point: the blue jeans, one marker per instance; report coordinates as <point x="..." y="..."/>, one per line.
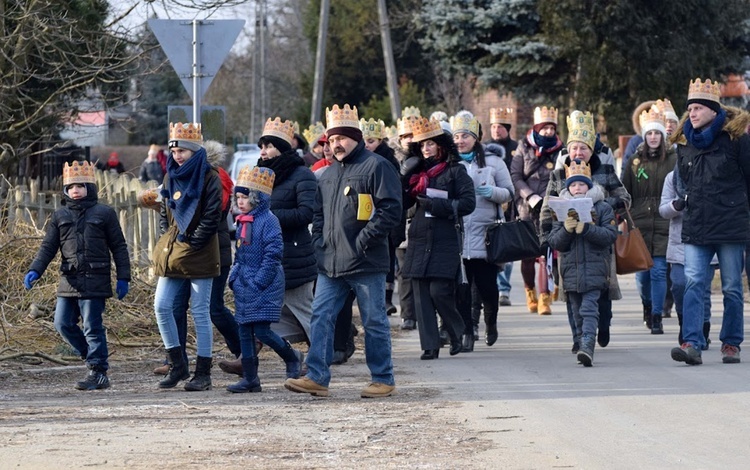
<point x="330" y="295"/>
<point x="503" y="279"/>
<point x="677" y="275"/>
<point x="91" y="342"/>
<point x="167" y="306"/>
<point x="652" y="285"/>
<point x="249" y="332"/>
<point x="697" y="263"/>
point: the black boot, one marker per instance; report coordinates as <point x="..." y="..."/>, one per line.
<point x="390" y="309"/>
<point x="602" y="336"/>
<point x="491" y="334"/>
<point x="656" y="326"/>
<point x="250" y="382"/>
<point x="680" y="339"/>
<point x="178" y="370"/>
<point x="201" y="381"/>
<point x="467" y="343"/>
<point x="293" y="359"/>
<point x="456" y="345"/>
<point x="706" y="331"/>
<point x="647" y="315"/>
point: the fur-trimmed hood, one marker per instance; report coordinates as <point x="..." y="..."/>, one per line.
<point x="636" y="118"/>
<point x="216" y="153"/>
<point x="735" y="125"/>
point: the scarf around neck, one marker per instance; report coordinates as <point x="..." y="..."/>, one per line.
<point x="283" y="165"/>
<point x="418" y="183"/>
<point x="244" y="222"/>
<point x="543" y="145"/>
<point x="703" y="139"/>
<point x="185" y="187"/>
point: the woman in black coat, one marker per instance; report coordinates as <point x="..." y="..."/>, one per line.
<point x="444" y="193"/>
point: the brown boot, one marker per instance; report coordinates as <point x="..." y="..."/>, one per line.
<point x="232" y="367"/>
<point x="545" y="303"/>
<point x="556" y="294"/>
<point x="531" y="301"/>
<point x="162" y="370"/>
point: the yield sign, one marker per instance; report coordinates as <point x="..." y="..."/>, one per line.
<point x="215" y="38"/>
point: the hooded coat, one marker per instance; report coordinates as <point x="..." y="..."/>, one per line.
<point x="84" y="232"/>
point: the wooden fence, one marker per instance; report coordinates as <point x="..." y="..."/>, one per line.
<point x="23" y="201"/>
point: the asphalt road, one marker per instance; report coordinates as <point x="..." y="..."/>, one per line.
<point x="635" y="408"/>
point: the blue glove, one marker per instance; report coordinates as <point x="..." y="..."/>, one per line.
<point x="29" y="279"/>
<point x="484" y="191"/>
<point x="122" y="289"/>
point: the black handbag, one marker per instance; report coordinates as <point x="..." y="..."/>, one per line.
<point x="511" y="241"/>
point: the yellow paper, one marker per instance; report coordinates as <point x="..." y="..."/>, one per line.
<point x="366" y="208"/>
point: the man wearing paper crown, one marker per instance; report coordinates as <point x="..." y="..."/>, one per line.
<point x="85" y="232"/>
<point x="188" y="250"/>
<point x="581" y="145"/>
<point x="357" y="204"/>
<point x="313" y="135"/>
<point x="644" y="180"/>
<point x="713" y="177"/>
<point x="501" y="120"/>
<point x="584" y="250"/>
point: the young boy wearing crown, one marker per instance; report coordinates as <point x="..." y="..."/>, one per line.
<point x="85" y="232"/>
<point x="257" y="277"/>
<point x="585" y="254"/>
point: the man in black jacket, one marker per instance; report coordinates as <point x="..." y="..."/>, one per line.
<point x="357" y="203"/>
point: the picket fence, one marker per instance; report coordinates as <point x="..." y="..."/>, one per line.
<point x="23" y="201"/>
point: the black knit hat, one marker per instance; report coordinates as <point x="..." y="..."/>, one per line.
<point x="280" y="144"/>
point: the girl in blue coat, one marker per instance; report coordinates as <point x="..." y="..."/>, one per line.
<point x="257" y="277"/>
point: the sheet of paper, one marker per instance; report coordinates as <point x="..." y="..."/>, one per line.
<point x="581" y="205"/>
<point x="435" y="194"/>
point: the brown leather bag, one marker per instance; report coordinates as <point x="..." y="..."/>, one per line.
<point x="631" y="252"/>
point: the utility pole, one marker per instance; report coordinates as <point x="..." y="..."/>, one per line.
<point x="320" y="62"/>
<point x="390" y="65"/>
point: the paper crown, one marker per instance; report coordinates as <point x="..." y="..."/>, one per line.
<point x="545" y="115"/>
<point x="578" y="170"/>
<point x="257" y="178"/>
<point x="424" y="129"/>
<point x="190" y="132"/>
<point x="652" y="119"/>
<point x="276" y="128"/>
<point x="464" y="123"/>
<point x="707" y="90"/>
<point x="372" y="129"/>
<point x="501" y="115"/>
<point x="581" y="128"/>
<point x="342" y="117"/>
<point x="78" y="173"/>
<point x="391" y="133"/>
<point x="406" y="125"/>
<point x="313" y="133"/>
<point x="411" y="111"/>
<point x="295" y="127"/>
<point x="665" y="107"/>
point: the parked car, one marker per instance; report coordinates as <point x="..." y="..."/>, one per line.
<point x="246" y="154"/>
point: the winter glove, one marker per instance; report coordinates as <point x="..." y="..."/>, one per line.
<point x="425" y="202"/>
<point x="122" y="289"/>
<point x="484" y="191"/>
<point x="409" y="165"/>
<point x="617" y="203"/>
<point x="678" y="204"/>
<point x="30" y="278"/>
<point x="570" y="224"/>
<point x="579" y="227"/>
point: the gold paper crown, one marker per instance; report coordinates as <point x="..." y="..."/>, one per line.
<point x="707" y="90"/>
<point x="190" y="132"/>
<point x="501" y="115"/>
<point x="665" y="107"/>
<point x="342" y="117"/>
<point x="78" y="173"/>
<point x="545" y="115"/>
<point x="314" y="133"/>
<point x="277" y="128"/>
<point x="425" y="129"/>
<point x="578" y="168"/>
<point x="411" y="111"/>
<point x="581" y="128"/>
<point x="464" y="123"/>
<point x="372" y="129"/>
<point x="652" y="119"/>
<point x="295" y="127"/>
<point x="406" y="125"/>
<point x="257" y="178"/>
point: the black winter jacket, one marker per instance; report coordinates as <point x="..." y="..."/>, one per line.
<point x="343" y="244"/>
<point x="85" y="232"/>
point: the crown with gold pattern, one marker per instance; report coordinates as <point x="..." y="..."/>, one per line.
<point x="295" y="127"/>
<point x="78" y="173"/>
<point x="411" y="111"/>
<point x="545" y="115"/>
<point x="372" y="129"/>
<point x="406" y="125"/>
<point x="424" y="129"/>
<point x="652" y="119"/>
<point x="578" y="170"/>
<point x="256" y="178"/>
<point x="665" y="107"/>
<point x="465" y="122"/>
<point x="190" y="132"/>
<point x="581" y="128"/>
<point x="501" y="115"/>
<point x="276" y="128"/>
<point x="708" y="90"/>
<point x="391" y="133"/>
<point x="314" y="133"/>
<point x="342" y="117"/>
